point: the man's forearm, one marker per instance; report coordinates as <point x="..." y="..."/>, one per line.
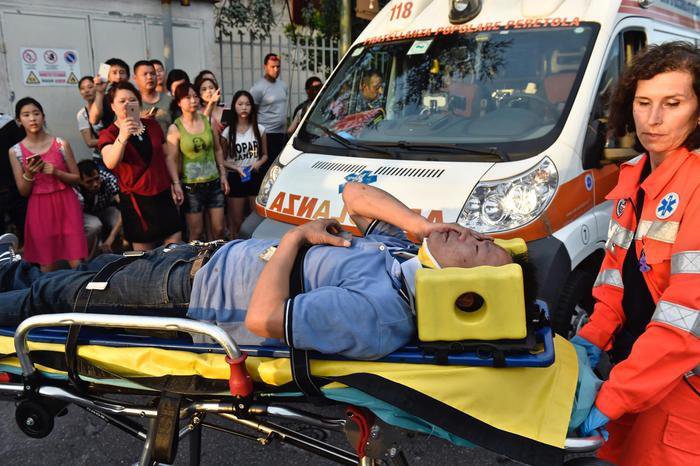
<point x="373" y="203"/>
<point x="265" y="315"/>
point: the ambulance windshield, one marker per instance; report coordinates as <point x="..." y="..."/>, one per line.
<point x="499" y="94"/>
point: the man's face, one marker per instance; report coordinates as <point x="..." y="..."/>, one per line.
<point x="117" y="74"/>
<point x="452" y="250"/>
<point x="373" y="90"/>
<point x="92" y="182"/>
<point x="160" y="74"/>
<point x="145" y="78"/>
<point x="272" y="69"/>
<point x="314" y="89"/>
<point x="87" y="90"/>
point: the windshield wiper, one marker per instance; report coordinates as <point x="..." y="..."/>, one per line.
<point x="454" y="148"/>
<point x="349" y="143"/>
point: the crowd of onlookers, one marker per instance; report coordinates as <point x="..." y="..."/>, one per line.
<point x="169" y="161"/>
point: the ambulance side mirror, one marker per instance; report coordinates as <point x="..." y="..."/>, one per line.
<point x="594" y="144"/>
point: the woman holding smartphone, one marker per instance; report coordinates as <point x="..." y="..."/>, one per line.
<point x="246" y="152"/>
<point x="44" y="168"/>
<point x="134" y="149"/>
<point x="203" y="170"/>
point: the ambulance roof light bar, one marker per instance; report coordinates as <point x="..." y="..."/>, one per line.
<point x="464" y="10"/>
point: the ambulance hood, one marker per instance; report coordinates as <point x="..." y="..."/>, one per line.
<point x="310" y="186"/>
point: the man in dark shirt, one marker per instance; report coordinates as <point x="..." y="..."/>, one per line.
<point x="12" y="205"/>
<point x="312" y="87"/>
<point x="102" y="220"/>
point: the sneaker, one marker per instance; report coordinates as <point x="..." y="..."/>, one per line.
<point x="8" y="246"/>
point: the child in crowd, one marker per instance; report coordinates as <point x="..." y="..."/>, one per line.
<point x="43" y="167"/>
<point x="246" y="151"/>
<point x="202" y="164"/>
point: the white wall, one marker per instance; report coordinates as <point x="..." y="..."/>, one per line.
<point x="98" y="30"/>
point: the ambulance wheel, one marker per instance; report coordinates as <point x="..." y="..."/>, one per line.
<point x="34" y="419"/>
<point x="575" y="303"/>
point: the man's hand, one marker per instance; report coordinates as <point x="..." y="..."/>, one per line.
<point x="321" y="231"/>
<point x="430" y="227"/>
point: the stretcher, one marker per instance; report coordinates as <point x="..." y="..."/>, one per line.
<point x="247" y="391"/>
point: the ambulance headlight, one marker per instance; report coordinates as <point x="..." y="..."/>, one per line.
<point x="496" y="206"/>
<point x="268" y="182"/>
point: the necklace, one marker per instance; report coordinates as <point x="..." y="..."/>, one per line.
<point x="141" y="130"/>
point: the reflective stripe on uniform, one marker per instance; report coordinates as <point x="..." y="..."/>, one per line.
<point x="685" y="262"/>
<point x="643" y="229"/>
<point x="664" y="231"/>
<point x="681" y="317"/>
<point x="618" y="236"/>
<point x="611" y="277"/>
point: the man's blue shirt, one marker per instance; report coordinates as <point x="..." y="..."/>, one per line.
<point x="352" y="305"/>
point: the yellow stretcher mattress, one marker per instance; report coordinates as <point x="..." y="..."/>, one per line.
<point x="534" y="403"/>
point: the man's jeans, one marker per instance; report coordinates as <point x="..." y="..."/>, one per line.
<point x="158" y="283"/>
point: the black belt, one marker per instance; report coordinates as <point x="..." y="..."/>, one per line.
<point x="299" y="359"/>
<point x="192" y="187"/>
<point x="99" y="282"/>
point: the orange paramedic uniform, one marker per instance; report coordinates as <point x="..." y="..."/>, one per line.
<point x="653" y="396"/>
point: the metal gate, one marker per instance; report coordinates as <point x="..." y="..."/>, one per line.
<point x="242" y="58"/>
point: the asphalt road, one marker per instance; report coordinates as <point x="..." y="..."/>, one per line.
<point x="82" y="439"/>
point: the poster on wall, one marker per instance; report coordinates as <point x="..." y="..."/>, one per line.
<point x="49" y="67"/>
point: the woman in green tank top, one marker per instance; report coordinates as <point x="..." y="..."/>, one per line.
<point x="197" y="145"/>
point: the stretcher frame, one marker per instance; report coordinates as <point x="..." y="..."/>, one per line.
<point x="375" y="444"/>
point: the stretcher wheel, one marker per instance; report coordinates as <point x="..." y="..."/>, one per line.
<point x="34" y="419"/>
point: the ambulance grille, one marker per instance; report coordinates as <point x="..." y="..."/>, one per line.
<point x="339" y="167"/>
<point x="410" y="172"/>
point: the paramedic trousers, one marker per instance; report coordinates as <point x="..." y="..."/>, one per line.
<point x="666" y="434"/>
<point x="157" y="284"/>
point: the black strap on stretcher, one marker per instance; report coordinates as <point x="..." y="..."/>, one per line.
<point x="98" y="282"/>
<point x="299" y="359"/>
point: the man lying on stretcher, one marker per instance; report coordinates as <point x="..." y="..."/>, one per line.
<point x="355" y="301"/>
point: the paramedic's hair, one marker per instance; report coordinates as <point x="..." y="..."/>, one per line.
<point x="120" y="63"/>
<point x="656" y="59"/>
<point x="232" y="122"/>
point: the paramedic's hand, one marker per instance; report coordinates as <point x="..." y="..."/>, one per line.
<point x="592" y="350"/>
<point x="322" y="231"/>
<point x="595" y="424"/>
<point x="430" y="227"/>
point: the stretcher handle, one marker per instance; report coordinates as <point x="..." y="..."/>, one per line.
<point x="583" y="444"/>
<point x="118" y="321"/>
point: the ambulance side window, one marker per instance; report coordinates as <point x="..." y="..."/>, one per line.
<point x="625" y="46"/>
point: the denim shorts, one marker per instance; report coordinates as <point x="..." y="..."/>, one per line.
<point x="200" y="196"/>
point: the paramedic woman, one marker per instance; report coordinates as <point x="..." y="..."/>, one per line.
<point x="647" y="314"/>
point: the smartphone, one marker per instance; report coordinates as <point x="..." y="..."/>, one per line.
<point x="132" y="110"/>
<point x="103" y="72"/>
<point x="225" y="116"/>
<point x="32" y="158"/>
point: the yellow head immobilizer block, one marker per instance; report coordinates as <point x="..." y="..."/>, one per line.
<point x="501" y="317"/>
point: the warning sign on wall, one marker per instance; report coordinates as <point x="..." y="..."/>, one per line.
<point x="49" y="67"/>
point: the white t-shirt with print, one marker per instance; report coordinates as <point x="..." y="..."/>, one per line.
<point x="248" y="151"/>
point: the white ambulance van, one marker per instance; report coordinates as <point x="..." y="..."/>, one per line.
<point x="490" y="113"/>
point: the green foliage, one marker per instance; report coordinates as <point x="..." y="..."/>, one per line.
<point x="254" y="17"/>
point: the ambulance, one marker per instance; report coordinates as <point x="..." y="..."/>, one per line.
<point x="489" y="113"/>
